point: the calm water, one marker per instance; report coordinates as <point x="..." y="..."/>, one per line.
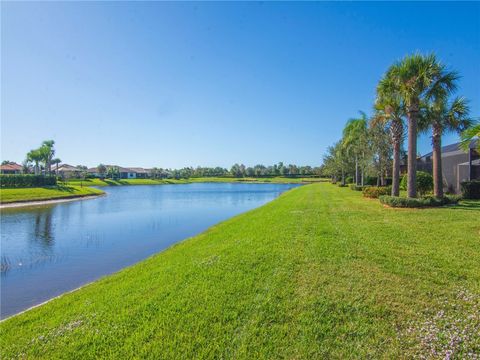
<point x="47" y="250"/>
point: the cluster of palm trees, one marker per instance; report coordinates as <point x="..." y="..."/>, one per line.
<point x="42" y="157"/>
<point x="415" y="94"/>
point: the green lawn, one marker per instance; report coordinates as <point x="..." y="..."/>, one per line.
<point x="320" y="272"/>
<point x="109" y="182"/>
<point x="45" y="193"/>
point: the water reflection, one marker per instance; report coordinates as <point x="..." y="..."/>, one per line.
<point x="47" y="250"/>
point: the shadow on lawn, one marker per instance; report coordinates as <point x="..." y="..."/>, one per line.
<point x="468" y="205"/>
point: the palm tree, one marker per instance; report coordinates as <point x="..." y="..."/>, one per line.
<point x="470" y="134"/>
<point x="56" y="161"/>
<point x="415" y="77"/>
<point x="444" y="117"/>
<point x="354" y="141"/>
<point x="36" y="157"/>
<point x="390" y="111"/>
<point x="47" y="152"/>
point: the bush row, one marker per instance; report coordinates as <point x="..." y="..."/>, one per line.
<point x="22" y="181"/>
<point x="396" y="201"/>
<point x="471" y="189"/>
<point x="374" y="192"/>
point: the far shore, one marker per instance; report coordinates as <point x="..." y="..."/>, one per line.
<point x="48" y="201"/>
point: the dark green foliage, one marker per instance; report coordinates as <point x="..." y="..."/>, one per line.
<point x="341" y="185"/>
<point x="375" y="191"/>
<point x="429" y="201"/>
<point x="23" y="181"/>
<point x="424" y="182"/>
<point x="358" y="187"/>
<point x="349" y="180"/>
<point x="471" y="189"/>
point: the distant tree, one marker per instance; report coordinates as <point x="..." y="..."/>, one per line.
<point x="102" y="170"/>
<point x="47" y="150"/>
<point x="35" y="156"/>
<point x="56" y="162"/>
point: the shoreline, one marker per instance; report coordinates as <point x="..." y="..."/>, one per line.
<point x="48" y="201"/>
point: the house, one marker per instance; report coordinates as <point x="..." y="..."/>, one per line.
<point x="68" y="171"/>
<point x="11" y="169"/>
<point x="140" y="173"/>
<point x="457" y="165"/>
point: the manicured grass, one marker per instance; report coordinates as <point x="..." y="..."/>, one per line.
<point x="45" y="193"/>
<point x="320" y="272"/>
<point x="110" y="182"/>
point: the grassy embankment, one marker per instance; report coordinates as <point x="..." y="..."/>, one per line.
<point x="110" y="182"/>
<point x="46" y="193"/>
<point x="318" y="273"/>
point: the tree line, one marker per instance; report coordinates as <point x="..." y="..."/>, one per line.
<point x="237" y="170"/>
<point x="415" y="95"/>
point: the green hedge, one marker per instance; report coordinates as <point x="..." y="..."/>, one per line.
<point x="375" y="191"/>
<point x="424" y="182"/>
<point x="403" y="202"/>
<point x="471" y="189"/>
<point x="358" y="187"/>
<point x="24" y="181"/>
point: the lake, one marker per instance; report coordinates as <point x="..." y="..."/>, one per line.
<point x="50" y="249"/>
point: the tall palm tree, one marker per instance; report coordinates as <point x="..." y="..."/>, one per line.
<point x="415" y="76"/>
<point x="47" y="152"/>
<point x="444" y="117"/>
<point x="354" y="140"/>
<point x="390" y="110"/>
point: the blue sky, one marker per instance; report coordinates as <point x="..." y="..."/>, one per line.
<point x="180" y="84"/>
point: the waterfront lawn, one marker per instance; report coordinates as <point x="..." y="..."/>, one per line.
<point x="45" y="193"/>
<point x="319" y="272"/>
<point x="110" y="182"/>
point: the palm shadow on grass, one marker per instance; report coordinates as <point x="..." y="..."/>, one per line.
<point x="468" y="205"/>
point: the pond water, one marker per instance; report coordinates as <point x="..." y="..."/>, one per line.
<point x="50" y="249"/>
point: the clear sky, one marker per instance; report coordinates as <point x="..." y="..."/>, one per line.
<point x="180" y="84"/>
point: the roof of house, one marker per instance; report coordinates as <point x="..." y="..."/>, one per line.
<point x="138" y="170"/>
<point x="452" y="148"/>
<point x="11" y="167"/>
<point x="67" y="167"/>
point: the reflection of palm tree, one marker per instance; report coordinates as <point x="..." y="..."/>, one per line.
<point x="43" y="228"/>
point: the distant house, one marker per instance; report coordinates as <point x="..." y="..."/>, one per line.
<point x="68" y="171"/>
<point x="11" y="169"/>
<point x="457" y="165"/>
<point x="140" y="173"/>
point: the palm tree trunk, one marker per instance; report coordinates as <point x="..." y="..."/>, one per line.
<point x="396" y="168"/>
<point x="412" y="151"/>
<point x="437" y="161"/>
<point x="356" y="170"/>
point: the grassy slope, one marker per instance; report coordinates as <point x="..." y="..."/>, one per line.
<point x="109" y="182"/>
<point x="319" y="272"/>
<point x="45" y="193"/>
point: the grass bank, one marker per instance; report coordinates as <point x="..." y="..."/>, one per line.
<point x="320" y="272"/>
<point x="8" y="196"/>
<point x="110" y="182"/>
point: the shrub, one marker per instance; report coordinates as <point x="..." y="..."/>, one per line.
<point x="358" y="187"/>
<point x="424" y="182"/>
<point x="22" y="181"/>
<point x="349" y="180"/>
<point x="429" y="201"/>
<point x="471" y="189"/>
<point x="375" y="191"/>
<point x="341" y="185"/>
